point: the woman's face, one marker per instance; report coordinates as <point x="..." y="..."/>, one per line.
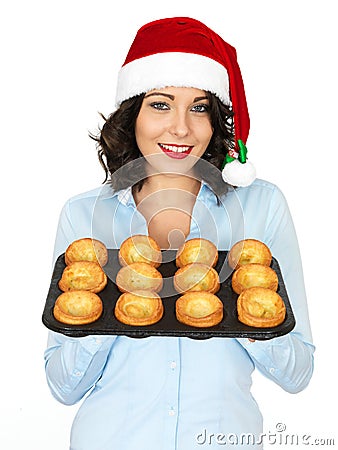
<point x="173" y="123"/>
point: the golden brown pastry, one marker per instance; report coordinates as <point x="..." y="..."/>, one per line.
<point x="251" y="275"/>
<point x="249" y="251"/>
<point x="138" y="276"/>
<point x="199" y="309"/>
<point x="77" y="307"/>
<point x="197" y="250"/>
<point x="87" y="249"/>
<point x="196" y="277"/>
<point x="83" y="275"/>
<point x="260" y="307"/>
<point x="139" y="308"/>
<point x="140" y="248"/>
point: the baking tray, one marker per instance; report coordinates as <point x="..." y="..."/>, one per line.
<point x="230" y="326"/>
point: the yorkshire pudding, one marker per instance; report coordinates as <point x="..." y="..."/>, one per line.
<point x="77" y="307"/>
<point x="251" y="275"/>
<point x="83" y="275"/>
<point x="138" y="276"/>
<point x="197" y="250"/>
<point x="140" y="248"/>
<point x="249" y="251"/>
<point x="199" y="309"/>
<point x="87" y="249"/>
<point x="196" y="277"/>
<point x="139" y="308"/>
<point x="260" y="307"/>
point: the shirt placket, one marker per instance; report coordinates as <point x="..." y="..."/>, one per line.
<point x="171" y="405"/>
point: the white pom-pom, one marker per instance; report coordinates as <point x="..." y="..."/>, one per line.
<point x="238" y="174"/>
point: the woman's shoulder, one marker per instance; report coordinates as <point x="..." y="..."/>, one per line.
<point x="94" y="193"/>
<point x="260" y="192"/>
<point x="259" y="183"/>
<point x="259" y="187"/>
<point x="101" y="201"/>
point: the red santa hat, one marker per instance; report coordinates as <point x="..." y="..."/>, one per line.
<point x="183" y="52"/>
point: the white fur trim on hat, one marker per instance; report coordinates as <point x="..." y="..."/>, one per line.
<point x="177" y="69"/>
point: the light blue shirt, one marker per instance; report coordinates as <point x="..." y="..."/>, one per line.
<point x="169" y="393"/>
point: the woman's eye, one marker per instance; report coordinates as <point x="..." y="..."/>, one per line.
<point x="161" y="106"/>
<point x="201" y="108"/>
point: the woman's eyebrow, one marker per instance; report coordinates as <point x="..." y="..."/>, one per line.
<point x="198" y="99"/>
<point x="172" y="97"/>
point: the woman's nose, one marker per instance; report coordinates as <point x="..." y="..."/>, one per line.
<point x="179" y="125"/>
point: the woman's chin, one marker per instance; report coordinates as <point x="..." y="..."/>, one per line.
<point x="168" y="164"/>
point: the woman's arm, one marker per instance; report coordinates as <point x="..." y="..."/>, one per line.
<point x="287" y="360"/>
<point x="73" y="365"/>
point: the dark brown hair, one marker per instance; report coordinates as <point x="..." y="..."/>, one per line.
<point x="116" y="143"/>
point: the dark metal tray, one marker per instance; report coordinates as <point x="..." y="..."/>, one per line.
<point x="168" y="325"/>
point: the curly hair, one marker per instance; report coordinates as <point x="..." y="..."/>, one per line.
<point x="116" y="143"/>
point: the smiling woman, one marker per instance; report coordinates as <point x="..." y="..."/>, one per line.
<point x="175" y="158"/>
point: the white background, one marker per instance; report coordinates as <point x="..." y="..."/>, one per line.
<point x="59" y="63"/>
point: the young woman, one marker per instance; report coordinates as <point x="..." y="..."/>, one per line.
<point x="181" y="111"/>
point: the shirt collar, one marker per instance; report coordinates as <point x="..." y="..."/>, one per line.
<point x="124" y="196"/>
<point x="206" y="194"/>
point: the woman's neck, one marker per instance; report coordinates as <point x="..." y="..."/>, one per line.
<point x="156" y="183"/>
<point x="167" y="202"/>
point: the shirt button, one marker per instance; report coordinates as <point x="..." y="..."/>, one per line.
<point x="171" y="412"/>
<point x="272" y="370"/>
<point x="173" y="365"/>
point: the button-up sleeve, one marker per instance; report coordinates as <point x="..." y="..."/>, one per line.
<point x="73" y="365"/>
<point x="288" y="360"/>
